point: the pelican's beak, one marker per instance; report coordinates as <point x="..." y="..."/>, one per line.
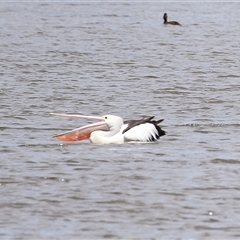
<point x="81" y="133"/>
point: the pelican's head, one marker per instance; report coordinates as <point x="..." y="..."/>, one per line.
<point x="114" y="122"/>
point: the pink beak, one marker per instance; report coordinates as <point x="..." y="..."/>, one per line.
<point x="81" y="133"/>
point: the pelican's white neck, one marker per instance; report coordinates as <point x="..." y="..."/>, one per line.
<point x="113" y="135"/>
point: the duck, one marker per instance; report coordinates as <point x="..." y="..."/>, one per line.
<point x="165" y="16"/>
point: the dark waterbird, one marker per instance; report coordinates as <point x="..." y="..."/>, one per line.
<point x="165" y="17"/>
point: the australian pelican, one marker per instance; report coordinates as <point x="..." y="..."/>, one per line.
<point x="112" y="129"/>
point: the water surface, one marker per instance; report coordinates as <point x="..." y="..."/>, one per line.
<point x="118" y="58"/>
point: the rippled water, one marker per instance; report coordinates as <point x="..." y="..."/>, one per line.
<point x="118" y="58"/>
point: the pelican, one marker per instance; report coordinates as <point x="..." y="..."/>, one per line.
<point x="112" y="129"/>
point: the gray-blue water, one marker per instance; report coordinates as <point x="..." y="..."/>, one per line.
<point x="98" y="58"/>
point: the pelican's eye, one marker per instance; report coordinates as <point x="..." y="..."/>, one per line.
<point x="105" y="117"/>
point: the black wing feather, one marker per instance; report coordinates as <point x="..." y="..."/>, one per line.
<point x="133" y="123"/>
